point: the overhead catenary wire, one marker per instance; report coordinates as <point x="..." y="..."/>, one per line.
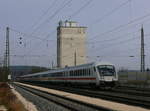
<point x="121" y="42"/>
<point x="98" y="41"/>
<point x="118" y="43"/>
<point x="121" y="26"/>
<point x="111" y="12"/>
<point x="115" y="38"/>
<point x="28" y="35"/>
<point x="80" y="9"/>
<point x="104" y="41"/>
<point x="112" y="39"/>
<point x="87" y="3"/>
<point x="53" y="15"/>
<point x="44" y="13"/>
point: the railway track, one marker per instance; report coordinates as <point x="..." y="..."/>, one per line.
<point x="65" y="102"/>
<point x="132" y="91"/>
<point x="130" y="97"/>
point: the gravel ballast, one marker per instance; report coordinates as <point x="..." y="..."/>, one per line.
<point x="40" y="103"/>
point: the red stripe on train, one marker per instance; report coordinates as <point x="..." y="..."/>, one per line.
<point x="75" y="78"/>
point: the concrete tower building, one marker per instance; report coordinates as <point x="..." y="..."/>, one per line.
<point x="71" y="46"/>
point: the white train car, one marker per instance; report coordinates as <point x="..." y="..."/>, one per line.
<point x="98" y="74"/>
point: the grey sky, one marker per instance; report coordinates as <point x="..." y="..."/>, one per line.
<point x="24" y="16"/>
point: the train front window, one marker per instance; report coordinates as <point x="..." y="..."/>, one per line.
<point x="106" y="70"/>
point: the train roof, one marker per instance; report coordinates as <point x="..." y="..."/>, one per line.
<point x="69" y="68"/>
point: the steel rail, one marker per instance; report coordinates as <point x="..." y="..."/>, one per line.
<point x="71" y="104"/>
<point x="118" y="96"/>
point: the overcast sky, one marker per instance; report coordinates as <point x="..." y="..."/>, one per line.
<point x="113" y="32"/>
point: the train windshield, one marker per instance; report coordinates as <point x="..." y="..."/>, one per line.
<point x="106" y="70"/>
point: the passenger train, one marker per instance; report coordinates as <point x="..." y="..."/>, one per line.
<point x="97" y="74"/>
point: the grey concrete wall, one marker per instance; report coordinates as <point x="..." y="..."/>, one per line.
<point x="71" y="40"/>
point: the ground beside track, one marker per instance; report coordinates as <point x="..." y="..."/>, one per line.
<point x="95" y="101"/>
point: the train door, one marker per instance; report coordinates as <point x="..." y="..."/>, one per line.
<point x="96" y="74"/>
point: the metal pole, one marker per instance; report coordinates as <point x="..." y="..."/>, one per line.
<point x="7" y="57"/>
<point x="142" y="51"/>
<point x="75" y="58"/>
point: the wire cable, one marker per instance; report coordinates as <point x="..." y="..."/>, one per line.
<point x="44" y="13"/>
<point x="52" y="16"/>
<point x="111" y="12"/>
<point x="80" y="9"/>
<point x="122" y="25"/>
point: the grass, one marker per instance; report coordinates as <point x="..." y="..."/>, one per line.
<point x="9" y="100"/>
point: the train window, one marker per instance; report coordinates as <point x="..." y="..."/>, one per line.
<point x="94" y="69"/>
<point x="63" y="74"/>
<point x="76" y="73"/>
<point x="59" y="74"/>
<point x="53" y="75"/>
<point x="89" y="72"/>
<point x="71" y="73"/>
<point x="80" y="71"/>
<point x="85" y="72"/>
